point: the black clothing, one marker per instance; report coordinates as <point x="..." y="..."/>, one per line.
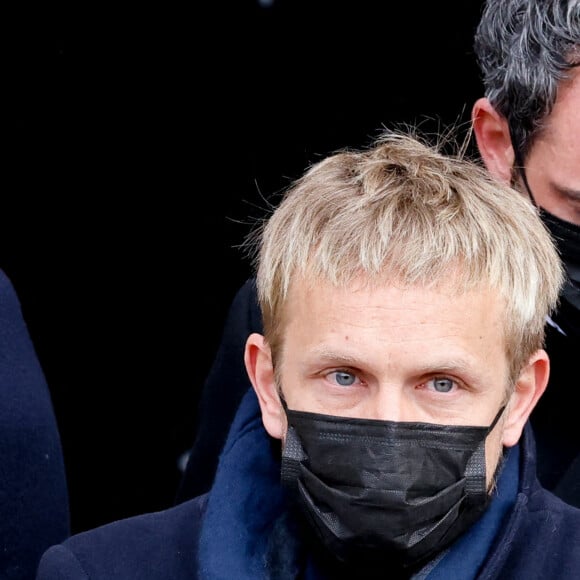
<point x="555" y="418"/>
<point x="34" y="508"/>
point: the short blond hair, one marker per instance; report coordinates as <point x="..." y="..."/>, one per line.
<point x="402" y="210"/>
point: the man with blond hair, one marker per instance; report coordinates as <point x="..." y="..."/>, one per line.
<point x="527" y="127"/>
<point x="404" y="294"/>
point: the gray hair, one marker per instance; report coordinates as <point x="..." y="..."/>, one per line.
<point x="524" y="49"/>
<point x="403" y="212"/>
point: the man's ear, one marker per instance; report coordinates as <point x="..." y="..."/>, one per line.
<point x="493" y="140"/>
<point x="530" y="386"/>
<point x="258" y="360"/>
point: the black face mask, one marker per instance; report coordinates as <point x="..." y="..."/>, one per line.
<point x="567" y="238"/>
<point x="385" y="492"/>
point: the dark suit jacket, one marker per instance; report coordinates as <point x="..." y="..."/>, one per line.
<point x="34" y="510"/>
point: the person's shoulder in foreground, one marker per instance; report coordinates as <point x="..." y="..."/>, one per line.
<point x="34" y="503"/>
<point x="156" y="545"/>
<point x="404" y="294"/>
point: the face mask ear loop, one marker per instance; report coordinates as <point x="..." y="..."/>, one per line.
<point x="496" y="419"/>
<point x="521" y="169"/>
<point x="292" y="454"/>
<point x="475" y="472"/>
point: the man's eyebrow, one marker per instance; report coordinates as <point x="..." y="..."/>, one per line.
<point x="454" y="365"/>
<point x="337" y="357"/>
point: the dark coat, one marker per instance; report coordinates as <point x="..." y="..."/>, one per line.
<point x="555" y="417"/>
<point x="232" y="532"/>
<point x="34" y="508"/>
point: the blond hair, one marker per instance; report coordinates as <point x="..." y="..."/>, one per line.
<point x="402" y="210"/>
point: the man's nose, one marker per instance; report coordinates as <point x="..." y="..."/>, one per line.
<point x="390" y="404"/>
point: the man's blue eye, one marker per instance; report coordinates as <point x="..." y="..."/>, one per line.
<point x="443" y="385"/>
<point x="344" y="379"/>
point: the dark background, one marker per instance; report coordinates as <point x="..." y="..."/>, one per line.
<point x="140" y="143"/>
